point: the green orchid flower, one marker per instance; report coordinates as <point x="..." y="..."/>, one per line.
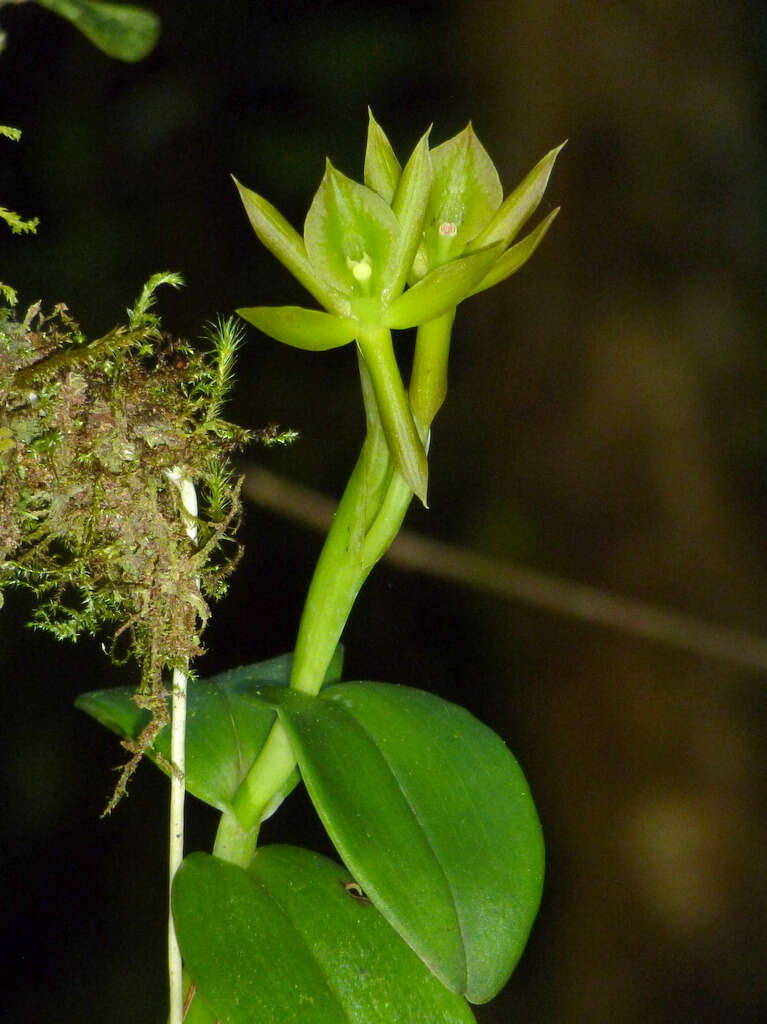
<point x="466" y="218"/>
<point x="355" y="258"/>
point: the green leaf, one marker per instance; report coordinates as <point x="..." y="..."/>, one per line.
<point x="382" y="169"/>
<point x="284" y="942"/>
<point x="466" y="193"/>
<point x="303" y="328"/>
<point x="284" y="242"/>
<point x="516" y="256"/>
<point x="351" y="236"/>
<point x="433" y="817"/>
<point x="224" y="733"/>
<point x="442" y="289"/>
<point x="519" y="205"/>
<point x="122" y="31"/>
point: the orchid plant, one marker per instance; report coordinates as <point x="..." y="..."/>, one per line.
<point x="441" y="846"/>
<point x="441" y="850"/>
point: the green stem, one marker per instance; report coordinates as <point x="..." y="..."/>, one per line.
<point x="233" y="843"/>
<point x="367" y="520"/>
<point x="428" y="380"/>
<point x="397" y="419"/>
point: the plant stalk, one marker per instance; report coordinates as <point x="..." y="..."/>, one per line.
<point x="188" y="497"/>
<point x="366" y="522"/>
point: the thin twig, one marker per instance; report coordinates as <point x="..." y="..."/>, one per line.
<point x="188" y="498"/>
<point x="539" y="589"/>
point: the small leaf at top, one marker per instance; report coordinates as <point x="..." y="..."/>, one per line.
<point x="123" y="31"/>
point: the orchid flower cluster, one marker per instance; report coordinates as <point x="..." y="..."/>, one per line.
<point x="401" y="250"/>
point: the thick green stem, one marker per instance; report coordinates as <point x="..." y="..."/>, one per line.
<point x="368" y="518"/>
<point x="233" y="843"/>
<point x="397" y="419"/>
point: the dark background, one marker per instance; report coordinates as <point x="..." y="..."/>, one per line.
<point x="606" y="422"/>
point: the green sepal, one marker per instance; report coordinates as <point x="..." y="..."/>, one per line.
<point x="409" y="207"/>
<point x="284" y="242"/>
<point x="351" y="236"/>
<point x="122" y="31"/>
<point x="519" y="205"/>
<point x="440" y="290"/>
<point x="466" y="193"/>
<point x="382" y="168"/>
<point x="433" y="817"/>
<point x="517" y="255"/>
<point x="302" y="328"/>
<point x="224" y="733"/>
<point x="293" y="939"/>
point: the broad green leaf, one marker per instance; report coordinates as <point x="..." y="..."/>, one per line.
<point x="351" y="236"/>
<point x="224" y="733"/>
<point x="284" y="942"/>
<point x="284" y="242"/>
<point x="466" y="193"/>
<point x="123" y="31"/>
<point x="433" y="817"/>
<point x="382" y="169"/>
<point x="516" y="257"/>
<point x="198" y="1012"/>
<point x="519" y="205"/>
<point x="440" y="290"/>
<point x="303" y="328"/>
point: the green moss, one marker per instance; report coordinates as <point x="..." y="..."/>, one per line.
<point x="89" y="520"/>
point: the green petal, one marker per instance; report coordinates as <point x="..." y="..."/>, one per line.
<point x="382" y="169"/>
<point x="409" y="207"/>
<point x="309" y="329"/>
<point x="517" y="255"/>
<point x="284" y="242"/>
<point x="440" y="290"/>
<point x="351" y="236"/>
<point x="466" y="193"/>
<point x="519" y="205"/>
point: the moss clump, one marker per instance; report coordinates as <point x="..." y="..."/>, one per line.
<point x="89" y="519"/>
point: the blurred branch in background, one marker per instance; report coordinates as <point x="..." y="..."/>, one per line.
<point x="541" y="590"/>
